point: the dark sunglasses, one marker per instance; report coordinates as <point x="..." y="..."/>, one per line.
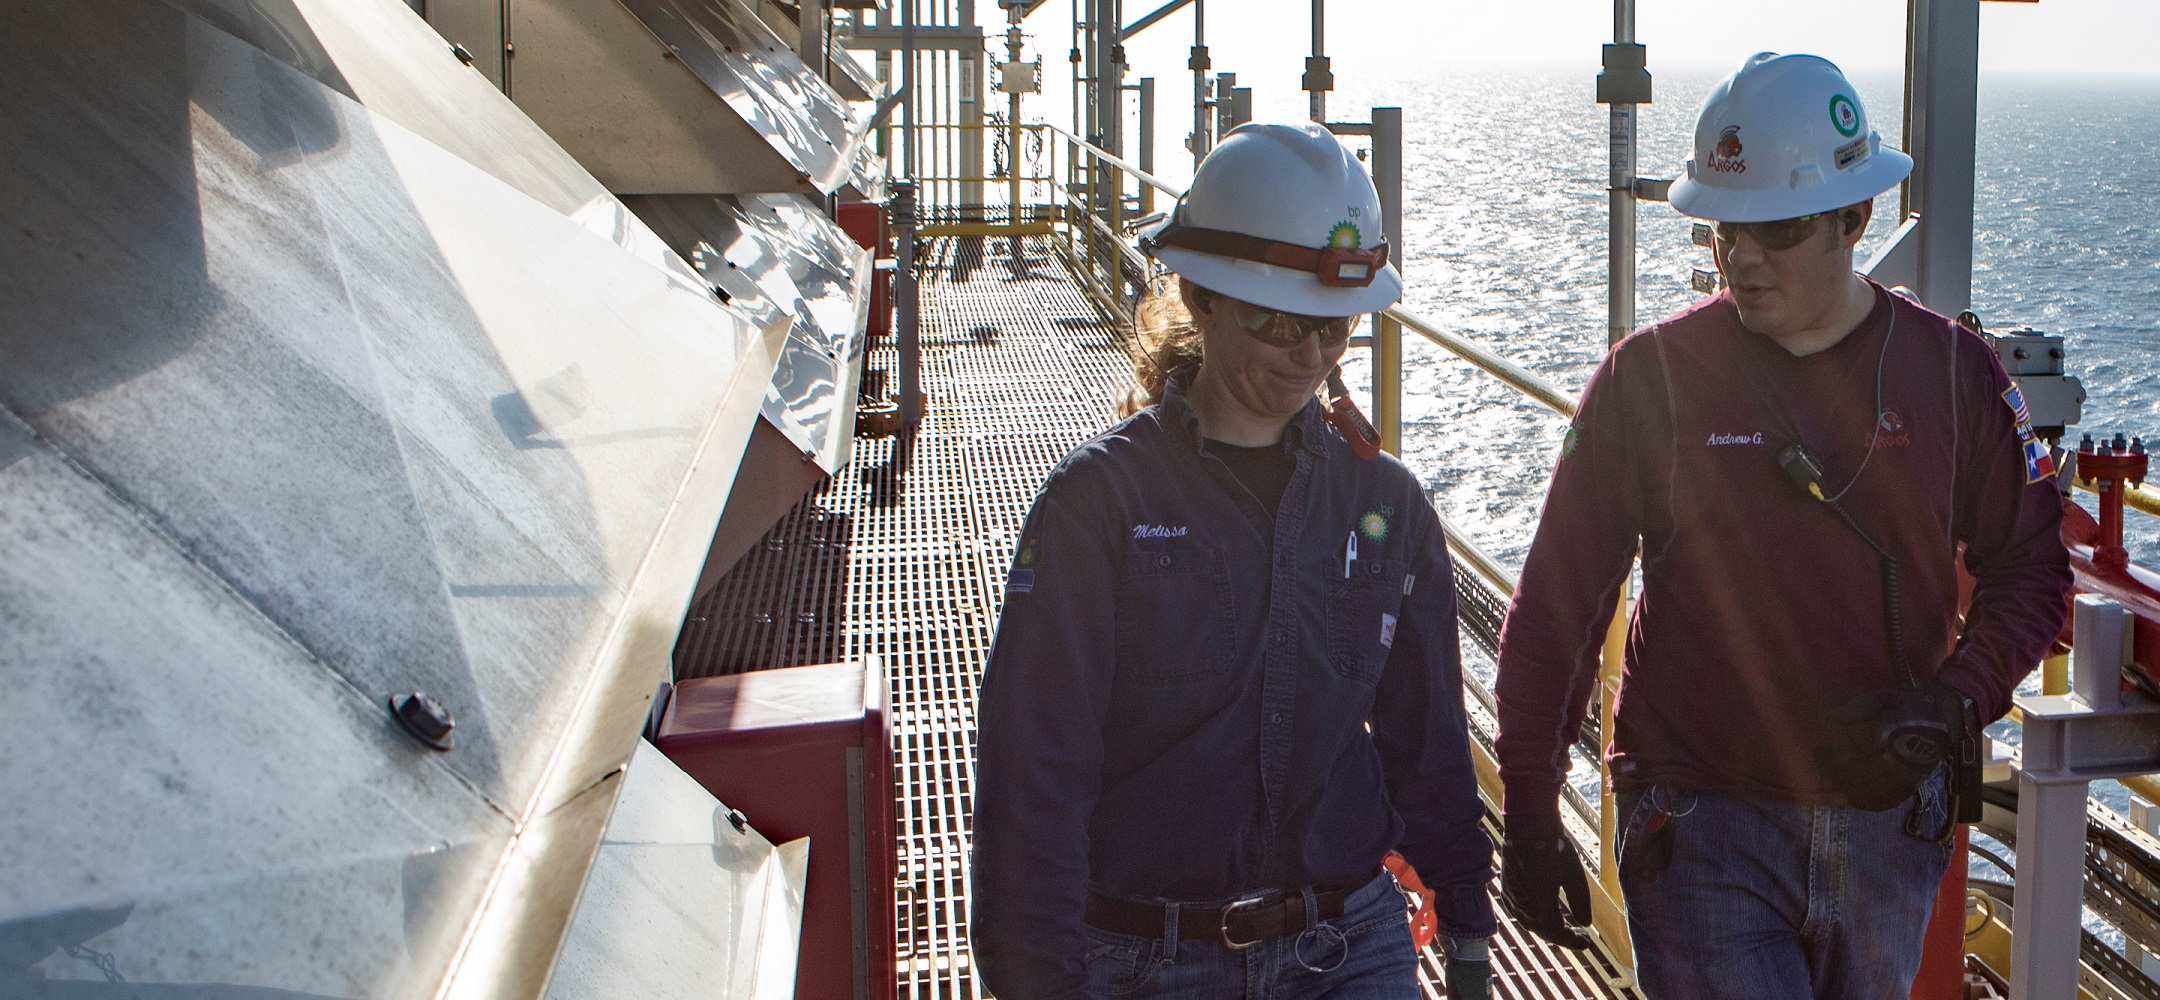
<point x="1285" y="330"/>
<point x="1783" y="234"/>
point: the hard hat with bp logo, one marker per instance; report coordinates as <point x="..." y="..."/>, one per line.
<point x="1784" y="136"/>
<point x="1283" y="217"/>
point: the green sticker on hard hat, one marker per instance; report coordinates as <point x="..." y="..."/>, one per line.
<point x="1345" y="234"/>
<point x="1844" y="116"/>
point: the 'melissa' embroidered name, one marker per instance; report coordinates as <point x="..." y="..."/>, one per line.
<point x="1157" y="531"/>
<point x="1718" y="439"/>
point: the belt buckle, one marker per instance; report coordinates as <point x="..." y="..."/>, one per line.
<point x="1224" y="924"/>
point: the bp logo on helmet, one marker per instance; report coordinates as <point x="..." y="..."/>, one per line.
<point x="1843" y="116"/>
<point x="1345" y="234"/>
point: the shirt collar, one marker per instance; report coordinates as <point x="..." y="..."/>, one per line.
<point x="1307" y="430"/>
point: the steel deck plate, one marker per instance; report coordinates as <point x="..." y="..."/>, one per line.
<point x="1019" y="367"/>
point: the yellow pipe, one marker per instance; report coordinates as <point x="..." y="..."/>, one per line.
<point x="2143" y="498"/>
<point x="2145" y="786"/>
<point x="1387" y="382"/>
<point x="1485" y="565"/>
<point x="2055" y="674"/>
<point x="1609" y="910"/>
<point x="1522" y="379"/>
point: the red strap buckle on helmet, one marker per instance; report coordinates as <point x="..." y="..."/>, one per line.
<point x="1336" y="267"/>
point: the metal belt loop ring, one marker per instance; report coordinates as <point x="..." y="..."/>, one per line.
<point x="1232" y="907"/>
<point x="1328" y="934"/>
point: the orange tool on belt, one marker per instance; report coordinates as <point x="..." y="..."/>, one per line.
<point x="1350" y="423"/>
<point x="1424" y="924"/>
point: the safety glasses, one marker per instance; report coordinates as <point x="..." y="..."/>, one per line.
<point x="1783" y="234"/>
<point x="1286" y="330"/>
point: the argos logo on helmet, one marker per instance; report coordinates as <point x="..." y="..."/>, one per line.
<point x="1725" y="157"/>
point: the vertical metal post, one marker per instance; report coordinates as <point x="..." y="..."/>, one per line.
<point x="907" y="88"/>
<point x="810" y="19"/>
<point x="973" y="150"/>
<point x="907" y="305"/>
<point x="1944" y="80"/>
<point x="1318" y="80"/>
<point x="1012" y="128"/>
<point x="1387" y="334"/>
<point x="1200" y="141"/>
<point x="1147" y="141"/>
<point x="1620" y="184"/>
<point x="1225" y="114"/>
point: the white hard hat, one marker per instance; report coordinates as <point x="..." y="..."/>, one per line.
<point x="1283" y="217"/>
<point x="1784" y="136"/>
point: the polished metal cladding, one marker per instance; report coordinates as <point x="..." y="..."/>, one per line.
<point x="377" y="53"/>
<point x="671" y="851"/>
<point x="674" y="96"/>
<point x="778" y="255"/>
<point x="305" y="404"/>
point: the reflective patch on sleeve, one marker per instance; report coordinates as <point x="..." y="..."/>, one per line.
<point x="1020" y="581"/>
<point x="1387" y="631"/>
<point x="1409" y="580"/>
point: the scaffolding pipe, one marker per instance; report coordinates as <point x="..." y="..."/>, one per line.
<point x="1387" y="334"/>
<point x="1318" y="80"/>
<point x="1199" y="142"/>
<point x="1620" y="137"/>
<point x="906" y="296"/>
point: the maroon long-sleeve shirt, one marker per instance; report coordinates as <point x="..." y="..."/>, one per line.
<point x="1761" y="612"/>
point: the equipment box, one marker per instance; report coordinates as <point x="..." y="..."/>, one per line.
<point x="807" y="752"/>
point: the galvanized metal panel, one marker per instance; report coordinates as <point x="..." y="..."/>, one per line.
<point x="780" y="255"/>
<point x="378" y="52"/>
<point x="680" y="904"/>
<point x="758" y="76"/>
<point x="193" y="798"/>
<point x="377" y="421"/>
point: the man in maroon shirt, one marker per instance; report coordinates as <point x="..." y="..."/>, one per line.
<point x="1801" y="458"/>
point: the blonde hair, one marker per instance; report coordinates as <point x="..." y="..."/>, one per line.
<point x="1164" y="340"/>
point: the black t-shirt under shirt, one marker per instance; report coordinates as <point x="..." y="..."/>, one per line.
<point x="1264" y="470"/>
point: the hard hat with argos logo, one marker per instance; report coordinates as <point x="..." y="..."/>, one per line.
<point x="1782" y="137"/>
<point x="1283" y="217"/>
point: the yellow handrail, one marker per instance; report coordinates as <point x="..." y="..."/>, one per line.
<point x="1121" y="163"/>
<point x="1522" y="379"/>
<point x="2143" y="498"/>
<point x="1485" y="565"/>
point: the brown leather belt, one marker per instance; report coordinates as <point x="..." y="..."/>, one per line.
<point x="1240" y="923"/>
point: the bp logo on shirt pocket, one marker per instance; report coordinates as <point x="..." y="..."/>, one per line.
<point x="1361" y="618"/>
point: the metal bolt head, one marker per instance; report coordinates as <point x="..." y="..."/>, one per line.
<point x="424" y="718"/>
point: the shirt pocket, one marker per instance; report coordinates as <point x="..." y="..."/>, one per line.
<point x="1174" y="621"/>
<point x="1361" y="618"/>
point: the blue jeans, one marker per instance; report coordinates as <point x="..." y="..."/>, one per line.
<point x="1769" y="901"/>
<point x="1365" y="954"/>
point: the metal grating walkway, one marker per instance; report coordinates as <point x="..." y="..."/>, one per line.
<point x="1019" y="367"/>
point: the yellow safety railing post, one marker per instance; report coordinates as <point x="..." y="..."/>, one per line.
<point x="2055" y="674"/>
<point x="1608" y="909"/>
<point x="1387" y="381"/>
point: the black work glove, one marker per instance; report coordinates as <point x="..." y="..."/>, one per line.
<point x="1538" y="867"/>
<point x="1469" y="968"/>
<point x="1888" y="742"/>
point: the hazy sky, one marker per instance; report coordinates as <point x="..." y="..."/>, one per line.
<point x="2114" y="36"/>
<point x="1374" y="41"/>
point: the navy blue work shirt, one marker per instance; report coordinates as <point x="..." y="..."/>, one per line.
<point x="1178" y="699"/>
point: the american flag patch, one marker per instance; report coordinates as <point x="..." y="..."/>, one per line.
<point x="2039" y="463"/>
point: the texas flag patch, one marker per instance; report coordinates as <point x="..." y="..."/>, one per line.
<point x="2039" y="463"/>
